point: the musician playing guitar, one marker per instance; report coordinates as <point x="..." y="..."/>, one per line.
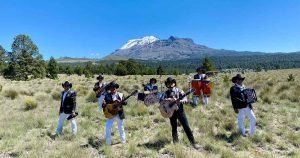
<point x="99" y="90"/>
<point x="172" y="94"/>
<point x="151" y="86"/>
<point x="240" y="106"/>
<point x="110" y="98"/>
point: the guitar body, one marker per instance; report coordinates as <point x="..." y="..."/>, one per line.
<point x="166" y="110"/>
<point x="167" y="107"/>
<point x="111" y="110"/>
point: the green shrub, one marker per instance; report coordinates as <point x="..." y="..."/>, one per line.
<point x="283" y="88"/>
<point x="92" y="97"/>
<point x="291" y="78"/>
<point x="267" y="99"/>
<point x="12" y="94"/>
<point x="27" y="92"/>
<point x="56" y="95"/>
<point x="226" y="79"/>
<point x="30" y="104"/>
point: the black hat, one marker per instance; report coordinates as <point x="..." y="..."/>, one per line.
<point x="100" y="77"/>
<point x="170" y="80"/>
<point x="67" y="83"/>
<point x="153" y="79"/>
<point x="199" y="69"/>
<point x="238" y="76"/>
<point x="113" y="85"/>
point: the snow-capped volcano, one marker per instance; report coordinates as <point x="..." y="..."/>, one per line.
<point x="141" y="41"/>
<point x="173" y="48"/>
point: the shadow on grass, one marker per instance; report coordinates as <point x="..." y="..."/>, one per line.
<point x="156" y="145"/>
<point x="229" y="139"/>
<point x="95" y="142"/>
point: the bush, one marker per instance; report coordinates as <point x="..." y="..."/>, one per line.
<point x="30" y="104"/>
<point x="92" y="97"/>
<point x="12" y="94"/>
<point x="226" y="79"/>
<point x="291" y="78"/>
<point x="267" y="99"/>
<point x="56" y="95"/>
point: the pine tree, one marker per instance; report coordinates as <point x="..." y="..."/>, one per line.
<point x="120" y="70"/>
<point x="24" y="60"/>
<point x="53" y="68"/>
<point x="2" y="59"/>
<point x="160" y="71"/>
<point x="208" y="64"/>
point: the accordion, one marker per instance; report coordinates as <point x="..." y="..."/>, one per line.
<point x="249" y="95"/>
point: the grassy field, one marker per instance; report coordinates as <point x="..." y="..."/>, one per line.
<point x="29" y="115"/>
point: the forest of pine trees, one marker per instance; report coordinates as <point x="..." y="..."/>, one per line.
<point x="24" y="62"/>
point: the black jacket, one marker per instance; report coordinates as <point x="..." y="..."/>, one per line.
<point x="109" y="100"/>
<point x="96" y="87"/>
<point x="68" y="105"/>
<point x="197" y="77"/>
<point x="237" y="98"/>
<point x="173" y="94"/>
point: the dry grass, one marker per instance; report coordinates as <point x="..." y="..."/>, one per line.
<point x="29" y="133"/>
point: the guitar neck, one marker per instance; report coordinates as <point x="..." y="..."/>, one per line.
<point x="129" y="96"/>
<point x="181" y="97"/>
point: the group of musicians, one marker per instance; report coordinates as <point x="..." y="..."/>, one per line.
<point x="110" y="93"/>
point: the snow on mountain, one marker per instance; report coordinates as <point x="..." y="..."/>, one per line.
<point x="142" y="41"/>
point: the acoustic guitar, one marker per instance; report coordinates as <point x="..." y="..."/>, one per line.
<point x="100" y="90"/>
<point x="111" y="110"/>
<point x="167" y="107"/>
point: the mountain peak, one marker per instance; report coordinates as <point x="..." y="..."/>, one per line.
<point x="141" y="41"/>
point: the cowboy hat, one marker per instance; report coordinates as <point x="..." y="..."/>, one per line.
<point x="113" y="85"/>
<point x="67" y="83"/>
<point x="237" y="77"/>
<point x="100" y="77"/>
<point x="170" y="80"/>
<point x="153" y="79"/>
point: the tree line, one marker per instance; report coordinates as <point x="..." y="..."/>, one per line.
<point x="24" y="62"/>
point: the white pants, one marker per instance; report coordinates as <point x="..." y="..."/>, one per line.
<point x="101" y="100"/>
<point x="205" y="100"/>
<point x="109" y="124"/>
<point x="61" y="120"/>
<point x="240" y="118"/>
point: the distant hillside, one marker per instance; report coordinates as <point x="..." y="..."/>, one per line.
<point x="74" y="60"/>
<point x="153" y="48"/>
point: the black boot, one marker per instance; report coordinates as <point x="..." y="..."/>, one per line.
<point x="175" y="138"/>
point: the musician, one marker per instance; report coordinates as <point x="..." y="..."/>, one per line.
<point x="100" y="95"/>
<point x="109" y="98"/>
<point x="67" y="108"/>
<point x="201" y="76"/>
<point x="151" y="86"/>
<point x="240" y="106"/>
<point x="174" y="93"/>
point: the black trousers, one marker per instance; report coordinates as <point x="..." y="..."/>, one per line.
<point x="180" y="115"/>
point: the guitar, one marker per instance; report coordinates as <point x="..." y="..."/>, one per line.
<point x="111" y="110"/>
<point x="167" y="107"/>
<point x="100" y="90"/>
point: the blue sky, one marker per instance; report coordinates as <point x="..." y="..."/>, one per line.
<point x="95" y="28"/>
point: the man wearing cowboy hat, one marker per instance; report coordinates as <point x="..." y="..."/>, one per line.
<point x="109" y="98"/>
<point x="201" y="76"/>
<point x="67" y="108"/>
<point x="151" y="86"/>
<point x="240" y="106"/>
<point x="174" y="93"/>
<point x="100" y="95"/>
